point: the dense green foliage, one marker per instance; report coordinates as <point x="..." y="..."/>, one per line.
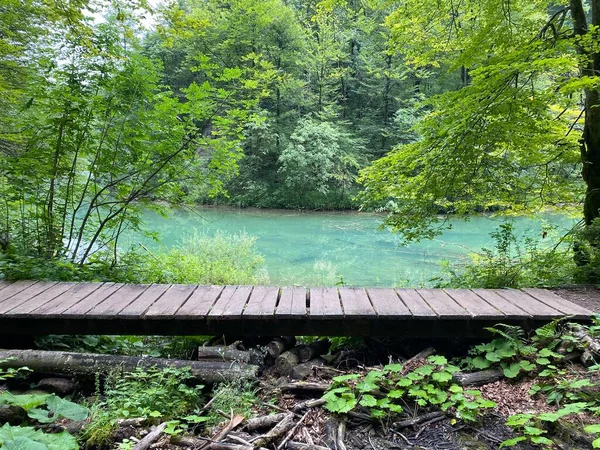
<point x="107" y="107"/>
<point x="154" y="393"/>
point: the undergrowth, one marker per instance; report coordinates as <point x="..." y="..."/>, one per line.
<point x="154" y="393"/>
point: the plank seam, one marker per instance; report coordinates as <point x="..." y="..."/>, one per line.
<point x="496" y="308"/>
<point x="143" y="313"/>
<point x="98" y="286"/>
<point x="196" y="287"/>
<point x="371" y="302"/>
<point x="404" y="303"/>
<point x="29" y="298"/>
<point x="427" y="303"/>
<point x="19" y="291"/>
<point x="545" y="302"/>
<point x="247" y="300"/>
<point x="47" y="301"/>
<point x="133" y="300"/>
<point x="339" y="294"/>
<point x="212" y="305"/>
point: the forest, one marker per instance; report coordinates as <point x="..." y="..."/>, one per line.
<point x="124" y="123"/>
<point x="419" y="111"/>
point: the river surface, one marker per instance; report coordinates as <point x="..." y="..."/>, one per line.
<point x="329" y="247"/>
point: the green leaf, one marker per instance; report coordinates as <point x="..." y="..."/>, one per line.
<point x="441" y="377"/>
<point x="511" y="370"/>
<point x="512" y="442"/>
<point x="394" y="368"/>
<point x="527" y="366"/>
<point x="480" y="363"/>
<point x="595" y="428"/>
<point x="437" y="360"/>
<point x="368" y="401"/>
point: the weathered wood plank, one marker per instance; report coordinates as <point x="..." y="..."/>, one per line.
<point x="356" y="303"/>
<point x="230" y="304"/>
<point x="60" y="304"/>
<point x="262" y="303"/>
<point x="292" y="303"/>
<point x="15" y="288"/>
<point x="510" y="310"/>
<point x="388" y="304"/>
<point x="117" y="301"/>
<point x="168" y="304"/>
<point x="535" y="308"/>
<point x="325" y="304"/>
<point x="475" y="305"/>
<point x="200" y="302"/>
<point x="443" y="304"/>
<point x="4" y="284"/>
<point x="90" y="301"/>
<point x="24" y="295"/>
<point x="39" y="300"/>
<point x="555" y="301"/>
<point x="415" y="303"/>
<point x="144" y="301"/>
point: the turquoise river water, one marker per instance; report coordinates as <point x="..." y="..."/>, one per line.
<point x="308" y="248"/>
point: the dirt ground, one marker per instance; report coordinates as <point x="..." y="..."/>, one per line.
<point x="586" y="296"/>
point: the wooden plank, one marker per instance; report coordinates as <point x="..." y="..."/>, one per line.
<point x="200" y="302"/>
<point x="230" y="304"/>
<point x="475" y="305"/>
<point x="555" y="301"/>
<point x="292" y="303"/>
<point x="325" y="304"/>
<point x="388" y="304"/>
<point x="356" y="303"/>
<point x="15" y="288"/>
<point x="168" y="304"/>
<point x="510" y="310"/>
<point x="444" y="306"/>
<point x="527" y="303"/>
<point x="73" y="296"/>
<point x="24" y="295"/>
<point x="117" y="301"/>
<point x="262" y="303"/>
<point x="144" y="301"/>
<point x="86" y="304"/>
<point x="415" y="303"/>
<point x="4" y="284"/>
<point x="40" y="300"/>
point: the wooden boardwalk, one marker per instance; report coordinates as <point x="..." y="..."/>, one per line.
<point x="40" y="307"/>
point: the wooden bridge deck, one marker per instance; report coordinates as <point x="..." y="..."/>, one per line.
<point x="34" y="308"/>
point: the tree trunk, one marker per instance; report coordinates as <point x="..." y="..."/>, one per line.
<point x="89" y="364"/>
<point x="590" y="142"/>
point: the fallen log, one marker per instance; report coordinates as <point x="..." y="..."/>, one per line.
<point x="423" y="354"/>
<point x="151" y="437"/>
<point x="417" y="420"/>
<point x="309" y="404"/>
<point x="477" y="378"/>
<point x="304" y="387"/>
<point x="304" y="370"/>
<point x="310" y="351"/>
<point x="590" y="347"/>
<point x="222" y="353"/>
<point x="291" y="445"/>
<point x="280" y="344"/>
<point x="278" y="430"/>
<point x="53" y="362"/>
<point x="264" y="421"/>
<point x="286" y="362"/>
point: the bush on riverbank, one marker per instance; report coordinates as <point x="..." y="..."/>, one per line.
<point x="512" y="262"/>
<point x="202" y="259"/>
